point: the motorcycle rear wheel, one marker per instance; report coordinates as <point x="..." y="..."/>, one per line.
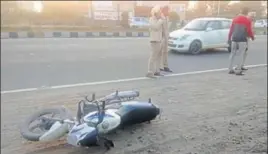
<point x="27" y="131"/>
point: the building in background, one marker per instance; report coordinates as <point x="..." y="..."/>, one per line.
<point x="143" y="8"/>
<point x="111" y="10"/>
<point x="26" y="5"/>
<point x="104" y="10"/>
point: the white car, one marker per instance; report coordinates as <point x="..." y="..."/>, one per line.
<point x="200" y="34"/>
<point x="260" y="23"/>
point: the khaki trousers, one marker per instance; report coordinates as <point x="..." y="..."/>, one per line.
<point x="164" y="57"/>
<point x="155" y="58"/>
<point x="237" y="55"/>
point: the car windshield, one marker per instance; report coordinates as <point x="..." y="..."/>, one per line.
<point x="196" y="25"/>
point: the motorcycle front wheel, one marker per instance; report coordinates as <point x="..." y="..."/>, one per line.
<point x="35" y="125"/>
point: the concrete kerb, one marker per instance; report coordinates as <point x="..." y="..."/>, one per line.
<point x="64" y="34"/>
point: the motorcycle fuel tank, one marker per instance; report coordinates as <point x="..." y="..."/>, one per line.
<point x="133" y="112"/>
<point x="110" y="122"/>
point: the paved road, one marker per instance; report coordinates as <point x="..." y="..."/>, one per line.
<point x="34" y="63"/>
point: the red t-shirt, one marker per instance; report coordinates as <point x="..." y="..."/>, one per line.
<point x="241" y="21"/>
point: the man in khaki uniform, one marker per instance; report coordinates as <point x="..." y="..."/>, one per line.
<point x="164" y="60"/>
<point x="156" y="38"/>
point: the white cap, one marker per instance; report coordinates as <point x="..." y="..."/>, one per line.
<point x="155" y="9"/>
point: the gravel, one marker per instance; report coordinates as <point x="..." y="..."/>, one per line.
<point x="211" y="113"/>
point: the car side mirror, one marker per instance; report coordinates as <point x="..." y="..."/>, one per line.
<point x="209" y="29"/>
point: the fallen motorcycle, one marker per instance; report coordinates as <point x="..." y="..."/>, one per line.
<point x="95" y="118"/>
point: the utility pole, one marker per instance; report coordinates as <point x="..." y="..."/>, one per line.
<point x="213" y="8"/>
<point x="219" y="7"/>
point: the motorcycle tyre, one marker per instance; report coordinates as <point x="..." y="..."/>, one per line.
<point x="31" y="136"/>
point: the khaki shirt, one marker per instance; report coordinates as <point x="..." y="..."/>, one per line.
<point x="156" y="29"/>
<point x="165" y="30"/>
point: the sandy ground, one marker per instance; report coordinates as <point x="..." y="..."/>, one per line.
<point x="212" y="113"/>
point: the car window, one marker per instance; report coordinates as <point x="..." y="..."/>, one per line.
<point x="226" y="24"/>
<point x="259" y="21"/>
<point x="137" y="19"/>
<point x="143" y="20"/>
<point x="196" y="25"/>
<point x="214" y="25"/>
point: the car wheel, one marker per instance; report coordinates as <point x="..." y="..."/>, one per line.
<point x="195" y="47"/>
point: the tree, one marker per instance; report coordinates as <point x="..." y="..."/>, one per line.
<point x="12" y="13"/>
<point x="63" y="11"/>
<point x="8" y="9"/>
<point x="174" y="18"/>
<point x="219" y="7"/>
<point x="201" y="8"/>
<point x="124" y="21"/>
<point x="254" y="6"/>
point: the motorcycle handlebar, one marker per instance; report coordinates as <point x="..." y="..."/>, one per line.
<point x="113" y="98"/>
<point x="120" y="95"/>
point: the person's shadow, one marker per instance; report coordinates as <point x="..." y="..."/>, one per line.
<point x="203" y="53"/>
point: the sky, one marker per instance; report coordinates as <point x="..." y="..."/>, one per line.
<point x="37" y="5"/>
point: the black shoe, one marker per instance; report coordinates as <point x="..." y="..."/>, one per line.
<point x="158" y="74"/>
<point x="239" y="73"/>
<point x="231" y="72"/>
<point x="166" y="69"/>
<point x="149" y="75"/>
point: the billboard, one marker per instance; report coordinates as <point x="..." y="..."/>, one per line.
<point x="103" y="6"/>
<point x="105" y="15"/>
<point x="104" y="10"/>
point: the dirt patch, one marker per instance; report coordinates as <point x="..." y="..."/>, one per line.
<point x="213" y="113"/>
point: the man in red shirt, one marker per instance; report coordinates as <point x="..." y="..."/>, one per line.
<point x="240" y="31"/>
<point x="251" y="16"/>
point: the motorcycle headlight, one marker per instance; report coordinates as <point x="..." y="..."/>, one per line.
<point x="105" y="125"/>
<point x="184" y="37"/>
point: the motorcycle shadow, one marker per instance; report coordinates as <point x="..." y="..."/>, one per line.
<point x="122" y="138"/>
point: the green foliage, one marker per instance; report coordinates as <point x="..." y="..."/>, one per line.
<point x="225" y="10"/>
<point x="174" y="17"/>
<point x="125" y="18"/>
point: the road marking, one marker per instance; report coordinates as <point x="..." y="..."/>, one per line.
<point x="121" y="80"/>
<point x="19" y="90"/>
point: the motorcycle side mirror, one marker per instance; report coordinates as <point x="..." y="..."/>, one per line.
<point x="93" y="96"/>
<point x="79" y="113"/>
<point x="103" y="105"/>
<point x="116" y="92"/>
<point x="101" y="113"/>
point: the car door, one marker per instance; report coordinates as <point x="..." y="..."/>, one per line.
<point x="212" y="33"/>
<point x="225" y="28"/>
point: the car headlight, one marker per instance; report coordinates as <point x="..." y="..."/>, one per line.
<point x="184" y="37"/>
<point x="173" y="38"/>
